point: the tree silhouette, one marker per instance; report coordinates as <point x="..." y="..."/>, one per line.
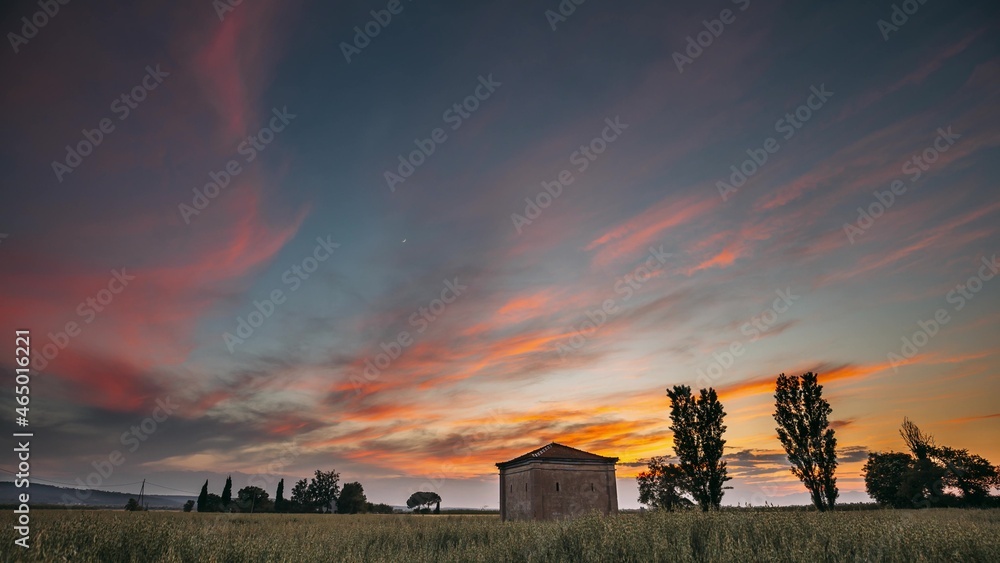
<point x="323" y="490"/>
<point x="253" y="499"/>
<point x="918" y="442"/>
<point x="884" y="475"/>
<point x="227" y="491"/>
<point x="423" y="499"/>
<point x="279" y="497"/>
<point x="203" y="498"/>
<point x="804" y="430"/>
<point x="213" y="503"/>
<point x="930" y="475"/>
<point x="300" y="496"/>
<point x="352" y="499"/>
<point x="698" y="443"/>
<point x="663" y="485"/>
<point x="969" y="473"/>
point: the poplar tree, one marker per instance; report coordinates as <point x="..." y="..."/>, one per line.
<point x="698" y="428"/>
<point x="804" y="430"/>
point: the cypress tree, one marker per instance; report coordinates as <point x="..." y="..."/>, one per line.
<point x="203" y="497"/>
<point x="227" y="491"/>
<point x="279" y="497"/>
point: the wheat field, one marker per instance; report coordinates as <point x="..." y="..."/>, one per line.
<point x="738" y="535"/>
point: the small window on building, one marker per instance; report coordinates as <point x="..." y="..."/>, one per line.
<point x="591" y="486"/>
<point x="526" y="486"/>
<point x="557" y="487"/>
<point x="512" y="487"/>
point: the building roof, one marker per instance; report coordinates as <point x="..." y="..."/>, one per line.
<point x="557" y="453"/>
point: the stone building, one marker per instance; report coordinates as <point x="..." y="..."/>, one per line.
<point x="556" y="481"/>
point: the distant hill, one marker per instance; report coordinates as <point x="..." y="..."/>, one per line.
<point x="48" y="494"/>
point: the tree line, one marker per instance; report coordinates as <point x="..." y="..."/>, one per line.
<point x="928" y="476"/>
<point x="321" y="494"/>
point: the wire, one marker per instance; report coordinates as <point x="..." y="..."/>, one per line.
<point x="171" y="488"/>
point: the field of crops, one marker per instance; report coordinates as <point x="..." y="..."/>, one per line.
<point x="903" y="535"/>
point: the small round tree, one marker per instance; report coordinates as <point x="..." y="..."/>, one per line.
<point x="423" y="499"/>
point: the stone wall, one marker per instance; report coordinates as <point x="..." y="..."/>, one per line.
<point x="555" y="490"/>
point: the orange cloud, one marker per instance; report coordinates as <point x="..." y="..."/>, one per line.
<point x="180" y="271"/>
<point x="766" y="384"/>
<point x="629" y="237"/>
<point x="966" y="419"/>
<point x="525" y="306"/>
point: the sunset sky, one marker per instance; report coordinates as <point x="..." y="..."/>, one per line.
<point x="512" y="326"/>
